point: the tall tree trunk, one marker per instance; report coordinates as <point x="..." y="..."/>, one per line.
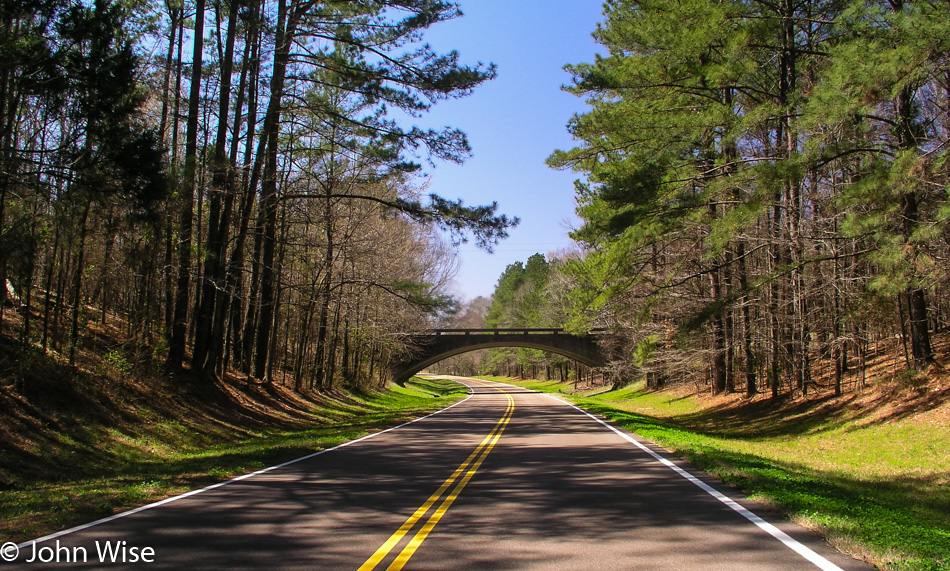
<point x="745" y="318"/>
<point x="323" y="322"/>
<point x="208" y="346"/>
<point x="77" y="284"/>
<point x="105" y="285"/>
<point x="719" y="372"/>
<point x="728" y="323"/>
<point x="334" y="343"/>
<point x="225" y="298"/>
<point x="9" y="106"/>
<point x="730" y="152"/>
<point x="174" y="14"/>
<point x="278" y="292"/>
<point x="718" y="339"/>
<point x="7" y="167"/>
<point x="176" y="345"/>
<point x="26" y="294"/>
<point x="249" y="180"/>
<point x="168" y="264"/>
<point x="797" y="342"/>
<point x="775" y="323"/>
<point x="286" y="28"/>
<point x="48" y="302"/>
<point x="65" y="263"/>
<point x="921" y="347"/>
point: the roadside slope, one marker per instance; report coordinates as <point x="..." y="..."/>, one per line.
<point x="77" y="444"/>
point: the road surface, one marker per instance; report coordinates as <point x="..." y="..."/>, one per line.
<point x="507" y="479"/>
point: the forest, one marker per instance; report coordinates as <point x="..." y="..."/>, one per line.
<point x="235" y="186"/>
<point x="216" y="236"/>
<point x="763" y="196"/>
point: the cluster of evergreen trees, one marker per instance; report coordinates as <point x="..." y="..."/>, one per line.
<point x="519" y="300"/>
<point x="229" y="178"/>
<point x="767" y="186"/>
<point x="533" y="295"/>
<point x="765" y="202"/>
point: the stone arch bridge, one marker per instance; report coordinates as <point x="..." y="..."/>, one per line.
<point x="440" y="344"/>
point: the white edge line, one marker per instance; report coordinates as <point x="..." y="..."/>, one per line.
<point x="225" y="483"/>
<point x="775" y="532"/>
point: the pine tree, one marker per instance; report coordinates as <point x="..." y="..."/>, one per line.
<point x="881" y="116"/>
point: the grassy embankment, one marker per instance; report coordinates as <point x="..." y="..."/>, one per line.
<point x="869" y="471"/>
<point x="78" y="445"/>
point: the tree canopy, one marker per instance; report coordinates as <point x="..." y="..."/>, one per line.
<point x="237" y="182"/>
<point x="770" y="175"/>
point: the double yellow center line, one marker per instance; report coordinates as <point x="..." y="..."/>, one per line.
<point x="459" y="478"/>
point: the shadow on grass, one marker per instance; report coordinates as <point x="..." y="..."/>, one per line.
<point x="76" y="444"/>
<point x="766" y="418"/>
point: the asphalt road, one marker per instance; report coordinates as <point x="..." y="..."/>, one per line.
<point x="507" y="479"/>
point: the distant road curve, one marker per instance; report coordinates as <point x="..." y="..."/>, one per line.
<point x="507" y="479"/>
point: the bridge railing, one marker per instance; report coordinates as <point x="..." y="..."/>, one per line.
<point x="507" y="331"/>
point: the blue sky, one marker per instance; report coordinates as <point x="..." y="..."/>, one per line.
<point x="514" y="123"/>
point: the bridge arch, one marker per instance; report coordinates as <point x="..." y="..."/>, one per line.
<point x="444" y="343"/>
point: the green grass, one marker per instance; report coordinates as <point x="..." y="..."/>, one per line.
<point x="119" y="469"/>
<point x="876" y="488"/>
